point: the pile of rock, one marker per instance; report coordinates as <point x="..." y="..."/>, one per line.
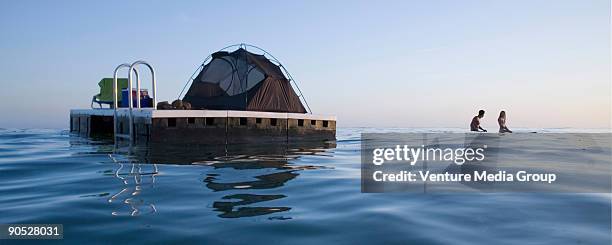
<point x="176" y="105"/>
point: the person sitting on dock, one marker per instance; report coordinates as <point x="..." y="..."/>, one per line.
<point x="475" y="124"/>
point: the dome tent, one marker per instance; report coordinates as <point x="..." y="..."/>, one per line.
<point x="241" y="80"/>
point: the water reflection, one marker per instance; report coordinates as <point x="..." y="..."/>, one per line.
<point x="134" y="180"/>
<point x="241" y="171"/>
<point x="135" y="177"/>
<point x="267" y="181"/>
<point x="239" y="209"/>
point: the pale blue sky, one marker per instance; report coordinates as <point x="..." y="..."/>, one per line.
<point x="383" y="63"/>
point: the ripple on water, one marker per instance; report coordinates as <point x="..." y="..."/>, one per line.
<point x="289" y="194"/>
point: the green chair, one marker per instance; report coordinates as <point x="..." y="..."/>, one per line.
<point x="106" y="92"/>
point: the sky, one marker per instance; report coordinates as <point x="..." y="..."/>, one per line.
<point x="370" y="63"/>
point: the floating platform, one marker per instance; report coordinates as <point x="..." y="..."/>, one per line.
<point x="202" y="126"/>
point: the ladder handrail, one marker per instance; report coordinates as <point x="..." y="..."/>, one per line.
<point x="115" y="99"/>
<point x="132" y="69"/>
<point x="154" y="85"/>
<point x="115" y="103"/>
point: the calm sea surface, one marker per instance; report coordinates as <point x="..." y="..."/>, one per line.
<point x="296" y="194"/>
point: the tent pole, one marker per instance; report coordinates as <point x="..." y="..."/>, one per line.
<point x="286" y="72"/>
<point x="194" y="73"/>
<point x="244" y="45"/>
<point x="246" y="80"/>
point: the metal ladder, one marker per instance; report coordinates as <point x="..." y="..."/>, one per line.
<point x="132" y="69"/>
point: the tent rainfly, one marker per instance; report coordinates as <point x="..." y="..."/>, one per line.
<point x="241" y="80"/>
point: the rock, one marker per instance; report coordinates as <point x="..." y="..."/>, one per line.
<point x="164" y="105"/>
<point x="177" y="104"/>
<point x="186" y="106"/>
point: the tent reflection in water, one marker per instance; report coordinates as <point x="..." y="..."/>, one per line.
<point x="241" y="80"/>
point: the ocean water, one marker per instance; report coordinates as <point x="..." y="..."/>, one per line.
<point x="283" y="194"/>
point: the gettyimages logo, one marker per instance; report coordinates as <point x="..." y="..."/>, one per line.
<point x="413" y="155"/>
<point x="473" y="162"/>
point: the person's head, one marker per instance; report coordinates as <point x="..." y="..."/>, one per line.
<point x="481" y="113"/>
<point x="502" y="114"/>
